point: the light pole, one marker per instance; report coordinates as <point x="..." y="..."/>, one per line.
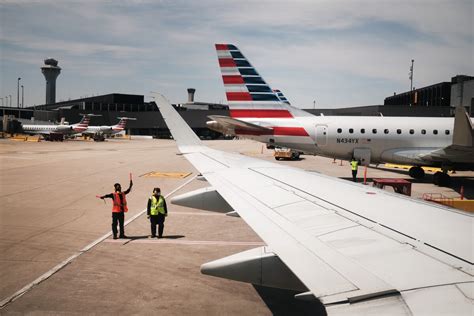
<point x="18" y="92"/>
<point x="411" y="81"/>
<point x="22" y="97"/>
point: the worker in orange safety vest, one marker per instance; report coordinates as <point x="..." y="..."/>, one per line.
<point x="119" y="208"/>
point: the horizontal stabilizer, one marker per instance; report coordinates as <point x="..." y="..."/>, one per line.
<point x="228" y="125"/>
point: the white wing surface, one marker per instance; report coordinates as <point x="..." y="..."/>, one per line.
<point x="356" y="248"/>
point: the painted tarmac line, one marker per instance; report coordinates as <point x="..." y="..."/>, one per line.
<point x="197" y="213"/>
<point x="189" y="242"/>
<point x="64" y="263"/>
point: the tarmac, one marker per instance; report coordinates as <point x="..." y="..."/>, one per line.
<point x="57" y="256"/>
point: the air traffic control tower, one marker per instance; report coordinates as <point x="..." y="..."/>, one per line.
<point x="50" y="71"/>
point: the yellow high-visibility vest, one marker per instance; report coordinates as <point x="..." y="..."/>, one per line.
<point x="354" y="164"/>
<point x="157" y="205"/>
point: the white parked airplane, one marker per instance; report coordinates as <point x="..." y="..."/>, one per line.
<point x="359" y="250"/>
<point x="109" y="130"/>
<point x="258" y="113"/>
<point x="65" y="129"/>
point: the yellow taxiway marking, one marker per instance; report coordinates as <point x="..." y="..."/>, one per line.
<point x="407" y="167"/>
<point x="158" y="174"/>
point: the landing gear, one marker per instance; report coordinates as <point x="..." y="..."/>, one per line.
<point x="416" y="172"/>
<point x="442" y="179"/>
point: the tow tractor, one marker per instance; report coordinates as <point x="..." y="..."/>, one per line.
<point x="286" y="153"/>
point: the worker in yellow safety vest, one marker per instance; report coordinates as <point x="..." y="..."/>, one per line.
<point x="157" y="211"/>
<point x="354" y="166"/>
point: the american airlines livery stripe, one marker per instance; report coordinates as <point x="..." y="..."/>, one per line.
<point x="280" y="131"/>
<point x="270" y="113"/>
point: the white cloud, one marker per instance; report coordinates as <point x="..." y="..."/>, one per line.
<point x="293" y="44"/>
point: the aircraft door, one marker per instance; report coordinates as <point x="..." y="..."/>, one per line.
<point x="321" y="135"/>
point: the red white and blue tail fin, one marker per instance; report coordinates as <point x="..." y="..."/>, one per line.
<point x="83" y="123"/>
<point x="282" y="97"/>
<point x="120" y="126"/>
<point x="248" y="95"/>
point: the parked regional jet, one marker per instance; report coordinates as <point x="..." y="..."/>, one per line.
<point x="65" y="129"/>
<point x="359" y="250"/>
<point x="257" y="112"/>
<point x="109" y="130"/>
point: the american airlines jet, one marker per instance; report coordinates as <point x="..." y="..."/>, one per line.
<point x="109" y="130"/>
<point x="65" y="129"/>
<point x="258" y="113"/>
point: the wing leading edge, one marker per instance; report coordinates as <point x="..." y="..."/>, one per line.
<point x="348" y="245"/>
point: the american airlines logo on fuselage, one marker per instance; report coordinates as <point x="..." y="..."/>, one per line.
<point x="347" y="140"/>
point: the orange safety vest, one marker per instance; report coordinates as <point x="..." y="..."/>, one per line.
<point x="116" y="207"/>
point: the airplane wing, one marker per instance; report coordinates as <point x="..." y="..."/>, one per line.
<point x="358" y="249"/>
<point x="229" y="125"/>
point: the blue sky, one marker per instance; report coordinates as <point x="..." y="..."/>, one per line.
<point x="339" y="53"/>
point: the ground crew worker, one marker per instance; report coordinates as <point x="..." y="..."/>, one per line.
<point x="157" y="211"/>
<point x="354" y="166"/>
<point x="119" y="208"/>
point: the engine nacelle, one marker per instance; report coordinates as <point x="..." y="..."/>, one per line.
<point x="64" y="128"/>
<point x="215" y="126"/>
<point x="257" y="266"/>
<point x="205" y="199"/>
<point x="105" y="128"/>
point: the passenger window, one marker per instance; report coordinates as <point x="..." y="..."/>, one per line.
<point x="374" y="131"/>
<point x="362" y="130"/>
<point x="339" y="130"/>
<point x="412" y="131"/>
<point x="423" y="131"/>
<point x="351" y="130"/>
<point x="446" y="132"/>
<point x="399" y="131"/>
<point x="435" y="131"/>
<point x="385" y="131"/>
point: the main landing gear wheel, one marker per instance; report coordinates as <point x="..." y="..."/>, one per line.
<point x="442" y="179"/>
<point x="416" y="172"/>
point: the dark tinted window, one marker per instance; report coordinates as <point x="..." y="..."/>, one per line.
<point x="242" y="63"/>
<point x="399" y="131"/>
<point x="374" y="131"/>
<point x="385" y="131"/>
<point x="351" y="130"/>
<point x="237" y="55"/>
<point x="446" y="132"/>
<point x="259" y="88"/>
<point x="339" y="130"/>
<point x="248" y="71"/>
<point x="253" y="80"/>
<point x="412" y="131"/>
<point x="362" y="130"/>
<point x="264" y="97"/>
<point x="423" y="131"/>
<point x="435" y="131"/>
